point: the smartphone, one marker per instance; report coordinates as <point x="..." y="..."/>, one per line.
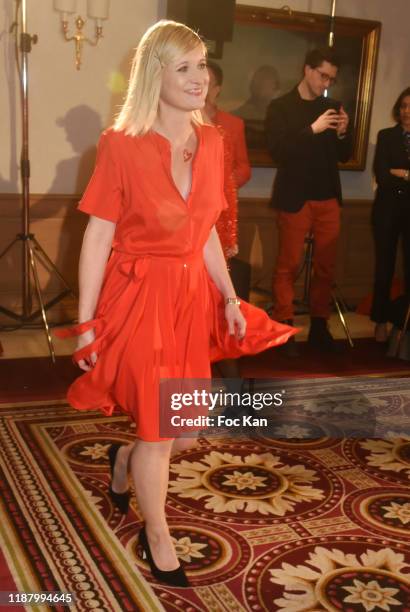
<point x="334" y="105"/>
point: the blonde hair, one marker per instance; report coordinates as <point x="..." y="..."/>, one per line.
<point x="161" y="44"/>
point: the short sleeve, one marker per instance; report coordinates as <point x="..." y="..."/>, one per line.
<point x="103" y="195"/>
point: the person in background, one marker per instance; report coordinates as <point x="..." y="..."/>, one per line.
<point x="307" y="137"/>
<point x="237" y="167"/>
<point x="391" y="210"/>
<point x="237" y="172"/>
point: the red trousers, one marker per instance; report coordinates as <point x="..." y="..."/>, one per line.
<point x="322" y="218"/>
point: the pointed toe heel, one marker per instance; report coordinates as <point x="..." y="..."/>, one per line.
<point x="120" y="500"/>
<point x="176" y="577"/>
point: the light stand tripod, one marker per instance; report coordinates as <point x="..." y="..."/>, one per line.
<point x="337" y="298"/>
<point x="31" y="249"/>
<point x="401" y="334"/>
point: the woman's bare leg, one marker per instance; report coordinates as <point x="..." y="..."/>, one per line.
<point x="149" y="462"/>
<point x="181" y="444"/>
<point x="120" y="480"/>
<point x="122" y="462"/>
<point x="149" y="465"/>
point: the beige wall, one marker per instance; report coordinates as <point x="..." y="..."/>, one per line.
<point x="56" y="87"/>
<point x="68" y="108"/>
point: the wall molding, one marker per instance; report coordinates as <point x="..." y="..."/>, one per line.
<point x="59" y="228"/>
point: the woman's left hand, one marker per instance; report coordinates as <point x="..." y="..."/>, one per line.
<point x="236" y="321"/>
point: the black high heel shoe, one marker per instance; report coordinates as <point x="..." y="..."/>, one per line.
<point x="120" y="500"/>
<point x="174" y="577"/>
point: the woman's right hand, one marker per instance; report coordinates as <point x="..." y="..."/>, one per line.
<point x="82" y="341"/>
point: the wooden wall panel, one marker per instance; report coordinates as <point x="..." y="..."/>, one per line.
<point x="59" y="227"/>
<point x="258" y="244"/>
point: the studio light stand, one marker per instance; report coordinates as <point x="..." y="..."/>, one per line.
<point x="337" y="298"/>
<point x="31" y="250"/>
<point x="401" y="335"/>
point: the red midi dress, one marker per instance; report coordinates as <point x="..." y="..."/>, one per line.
<point x="159" y="314"/>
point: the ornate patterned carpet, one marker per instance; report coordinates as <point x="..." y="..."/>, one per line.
<point x="311" y="524"/>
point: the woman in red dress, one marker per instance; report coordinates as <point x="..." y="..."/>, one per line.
<point x="237" y="167"/>
<point x="156" y="300"/>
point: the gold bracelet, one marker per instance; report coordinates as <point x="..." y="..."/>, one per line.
<point x="406" y="175"/>
<point x="233" y="300"/>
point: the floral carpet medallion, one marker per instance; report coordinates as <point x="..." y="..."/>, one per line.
<point x="348" y="574"/>
<point x="300" y="433"/>
<point x="292" y="525"/>
<point x="387" y="510"/>
<point x="211" y="554"/>
<point x="252" y="486"/>
<point x="386" y="458"/>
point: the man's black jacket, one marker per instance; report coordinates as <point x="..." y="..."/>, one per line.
<point x="390" y="153"/>
<point x="291" y="145"/>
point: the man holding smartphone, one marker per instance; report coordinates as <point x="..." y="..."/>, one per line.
<point x="307" y="136"/>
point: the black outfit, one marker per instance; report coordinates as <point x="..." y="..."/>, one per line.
<point x="307" y="162"/>
<point x="390" y="217"/>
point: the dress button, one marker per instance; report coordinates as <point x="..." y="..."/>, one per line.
<point x="185" y="266"/>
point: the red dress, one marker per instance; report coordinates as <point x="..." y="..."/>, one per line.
<point x="227" y="224"/>
<point x="159" y="313"/>
<point x="234" y="127"/>
<point x="237" y="173"/>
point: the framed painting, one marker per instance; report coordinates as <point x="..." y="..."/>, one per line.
<point x="265" y="59"/>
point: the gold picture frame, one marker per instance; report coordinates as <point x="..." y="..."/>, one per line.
<point x="267" y="51"/>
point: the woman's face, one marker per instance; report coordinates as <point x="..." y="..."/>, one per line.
<point x="405" y="113"/>
<point x="185" y="81"/>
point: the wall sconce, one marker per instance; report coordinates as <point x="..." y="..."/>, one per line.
<point x="96" y="9"/>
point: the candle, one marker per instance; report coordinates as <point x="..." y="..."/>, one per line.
<point x="98" y="9"/>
